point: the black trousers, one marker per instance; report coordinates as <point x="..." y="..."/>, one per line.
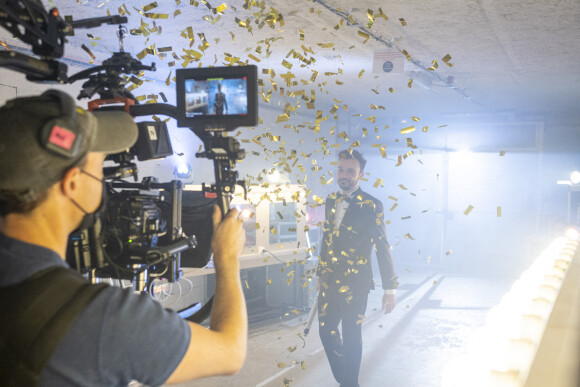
<point x="344" y="353"/>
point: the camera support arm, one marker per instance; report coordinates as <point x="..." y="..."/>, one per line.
<point x="35" y="69"/>
<point x="224" y="151"/>
<point x="45" y="31"/>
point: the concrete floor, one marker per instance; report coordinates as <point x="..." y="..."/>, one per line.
<point x="435" y="317"/>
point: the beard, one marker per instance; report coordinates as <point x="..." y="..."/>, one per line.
<point x="347" y="185"/>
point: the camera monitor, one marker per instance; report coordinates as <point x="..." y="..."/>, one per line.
<point x="217" y="98"/>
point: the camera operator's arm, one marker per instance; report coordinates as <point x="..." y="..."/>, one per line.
<point x="222" y="348"/>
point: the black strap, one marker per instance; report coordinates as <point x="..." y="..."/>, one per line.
<point x="35" y="315"/>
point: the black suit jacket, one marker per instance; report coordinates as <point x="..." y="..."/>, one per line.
<point x="345" y="253"/>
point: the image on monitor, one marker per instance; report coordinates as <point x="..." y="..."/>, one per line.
<point x="216" y="96"/>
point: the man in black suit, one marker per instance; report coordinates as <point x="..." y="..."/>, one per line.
<point x="354" y="224"/>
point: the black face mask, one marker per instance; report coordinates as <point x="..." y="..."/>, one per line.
<point x="90" y="219"/>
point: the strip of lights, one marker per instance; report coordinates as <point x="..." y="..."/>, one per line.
<point x="501" y="353"/>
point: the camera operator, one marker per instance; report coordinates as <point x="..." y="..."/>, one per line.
<point x="51" y="158"/>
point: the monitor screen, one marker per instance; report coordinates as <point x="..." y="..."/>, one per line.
<point x="217" y="98"/>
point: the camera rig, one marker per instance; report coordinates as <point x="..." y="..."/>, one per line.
<point x="138" y="234"/>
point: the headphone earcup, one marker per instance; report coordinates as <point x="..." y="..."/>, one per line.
<point x="60" y="135"/>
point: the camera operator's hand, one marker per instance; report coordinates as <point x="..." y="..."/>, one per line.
<point x="228" y="239"/>
<point x="220" y="350"/>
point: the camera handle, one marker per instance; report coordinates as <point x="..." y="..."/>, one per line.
<point x="224" y="151"/>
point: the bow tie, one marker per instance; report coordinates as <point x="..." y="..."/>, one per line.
<point x="342" y="197"/>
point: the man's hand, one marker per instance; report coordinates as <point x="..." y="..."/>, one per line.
<point x="228" y="239"/>
<point x="389" y="302"/>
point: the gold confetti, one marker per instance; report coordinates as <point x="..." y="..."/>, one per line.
<point x="401" y="186"/>
<point x="403" y="22"/>
<point x="361" y="74"/>
<point x="282" y="118"/>
<point x="221" y="8"/>
<point x="364" y="35"/>
<point x="156" y="15"/>
<point x="378" y="182"/>
<point x="399" y="160"/>
<point x="269" y="282"/>
<point x="468" y="210"/>
<point x="434" y="65"/>
<point x="408" y="130"/>
<point x="383" y="152"/>
<point x="247" y="285"/>
<point x="498" y="211"/>
<point x="382" y="14"/>
<point x="303" y="365"/>
<point x="425" y="129"/>
<point x="88" y="51"/>
<point x="282" y="365"/>
<point x="343" y="289"/>
<point x="446" y="59"/>
<point x="448" y="252"/>
<point x="391" y="90"/>
<point x="408" y="236"/>
<point x="502" y="153"/>
<point x="292" y="349"/>
<point x="416" y="119"/>
<point x="149" y="7"/>
<point x="251" y="56"/>
<point x="410" y="83"/>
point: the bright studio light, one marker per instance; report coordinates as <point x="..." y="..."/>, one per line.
<point x="572" y="234"/>
<point x="182" y="170"/>
<point x="275" y="176"/>
<point x="575" y="177"/>
<point x="502" y="352"/>
<point x="246" y="214"/>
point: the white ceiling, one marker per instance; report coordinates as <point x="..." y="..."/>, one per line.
<point x="517" y="56"/>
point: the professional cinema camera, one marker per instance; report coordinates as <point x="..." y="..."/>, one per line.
<point x="139" y="233"/>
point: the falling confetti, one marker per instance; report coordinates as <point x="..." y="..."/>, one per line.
<point x="434" y="65"/>
<point x="446" y="60"/>
<point x="468" y="210"/>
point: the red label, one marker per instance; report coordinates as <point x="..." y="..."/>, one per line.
<point x="62" y="137"/>
<point x="211" y="195"/>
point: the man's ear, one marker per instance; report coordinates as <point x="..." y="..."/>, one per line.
<point x="69" y="182"/>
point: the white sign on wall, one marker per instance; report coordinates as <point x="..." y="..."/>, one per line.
<point x="388" y="61"/>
